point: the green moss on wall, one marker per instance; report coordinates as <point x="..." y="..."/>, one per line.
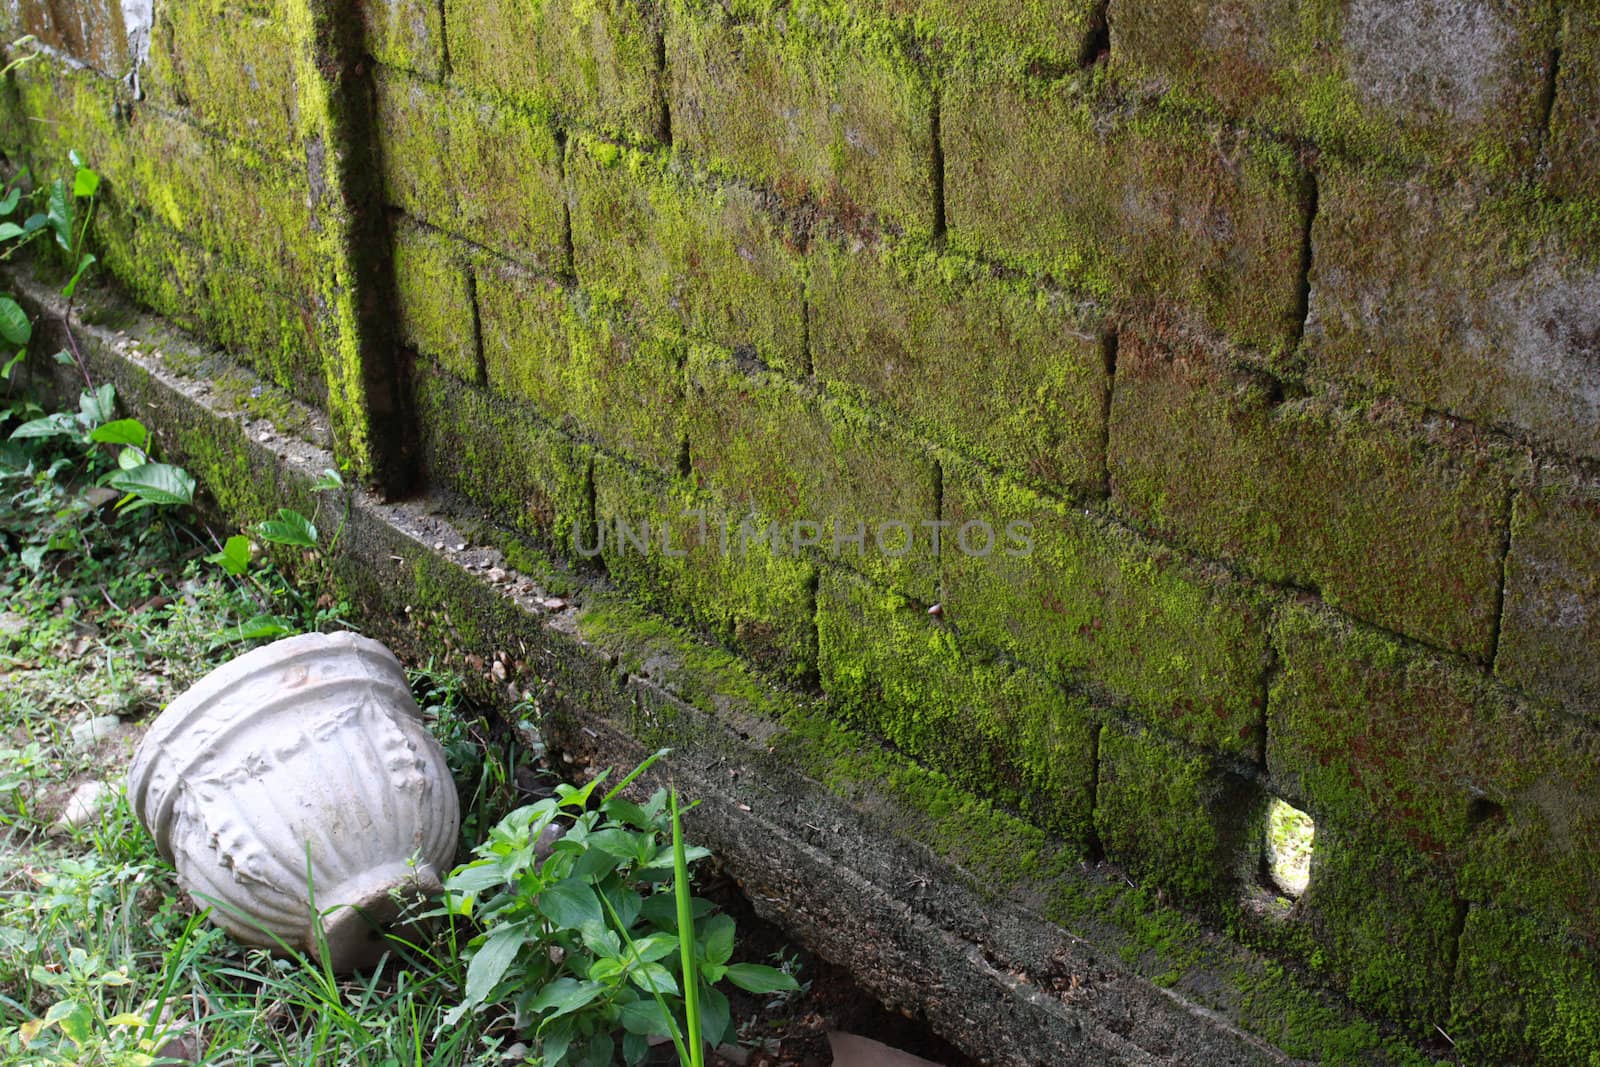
<point x="472" y="167"/>
<point x="1184" y="646"/>
<point x="994" y="367"/>
<point x="690" y="554"/>
<point x="673" y="251"/>
<point x="805" y="106"/>
<point x="1001" y="731"/>
<point x="1304" y="492"/>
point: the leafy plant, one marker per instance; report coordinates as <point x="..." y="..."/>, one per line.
<point x="243" y="557"/>
<point x="584" y="913"/>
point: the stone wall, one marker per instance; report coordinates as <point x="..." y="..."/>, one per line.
<point x="1275" y="324"/>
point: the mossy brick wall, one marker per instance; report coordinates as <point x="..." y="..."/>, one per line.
<point x="1277" y="321"/>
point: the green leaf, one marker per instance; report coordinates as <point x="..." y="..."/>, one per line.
<point x="655" y="947"/>
<point x="57" y="425"/>
<point x="759" y="979"/>
<point x="8" y="203"/>
<point x="646" y="1016"/>
<point x="9" y="230"/>
<point x="718" y="939"/>
<point x="635" y="1047"/>
<point x="570" y="904"/>
<point x="654" y="978"/>
<point x="155" y="483"/>
<point x="88" y="260"/>
<point x="289" y="528"/>
<point x="35" y="223"/>
<point x="600" y="1052"/>
<point x="60" y="214"/>
<point x="74" y="1020"/>
<point x="565" y="996"/>
<point x="330" y="479"/>
<point x="15" y="329"/>
<point x="98" y="406"/>
<point x="235" y="555"/>
<point x="490" y="963"/>
<point x="121" y="432"/>
<point x="85" y="183"/>
<point x="662" y="910"/>
<point x="33" y="557"/>
<point x="554" y="1043"/>
<point x="254" y="628"/>
<point x="715" y="1015"/>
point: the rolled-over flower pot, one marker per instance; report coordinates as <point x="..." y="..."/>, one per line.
<point x="296" y="789"/>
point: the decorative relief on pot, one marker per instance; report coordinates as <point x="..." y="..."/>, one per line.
<point x="296" y="788"/>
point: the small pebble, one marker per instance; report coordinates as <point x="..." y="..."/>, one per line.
<point x="84" y="804"/>
<point x="100" y="728"/>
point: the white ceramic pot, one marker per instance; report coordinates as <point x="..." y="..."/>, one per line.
<point x="301" y="770"/>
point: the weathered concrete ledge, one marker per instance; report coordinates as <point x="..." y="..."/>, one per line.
<point x="944" y="905"/>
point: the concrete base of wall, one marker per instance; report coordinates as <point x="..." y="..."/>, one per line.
<point x="833" y="838"/>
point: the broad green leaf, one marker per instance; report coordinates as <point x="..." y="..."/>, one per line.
<point x="474" y="878"/>
<point x="663" y="859"/>
<point x="289" y="528"/>
<point x="654" y="947"/>
<point x="565" y="996"/>
<point x="490" y="963"/>
<point x="602" y="942"/>
<point x="57" y="425"/>
<point x="73" y="1019"/>
<point x="35" y="223"/>
<point x="715" y="1015"/>
<point x="600" y="1052"/>
<point x="604" y="970"/>
<point x="8" y="203"/>
<point x="85" y="183"/>
<point x="645" y="1016"/>
<point x="11" y="364"/>
<point x="625" y="904"/>
<point x="662" y="910"/>
<point x="570" y="904"/>
<point x="235" y="555"/>
<point x="33" y="557"/>
<point x="155" y="483"/>
<point x="97" y="406"/>
<point x="717" y="939"/>
<point x="635" y="1047"/>
<point x="9" y="230"/>
<point x="15" y="329"/>
<point x="121" y="432"/>
<point x="654" y="978"/>
<point x="330" y="479"/>
<point x="626" y="811"/>
<point x="555" y="1041"/>
<point x="130" y="458"/>
<point x="759" y="979"/>
<point x="258" y="626"/>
